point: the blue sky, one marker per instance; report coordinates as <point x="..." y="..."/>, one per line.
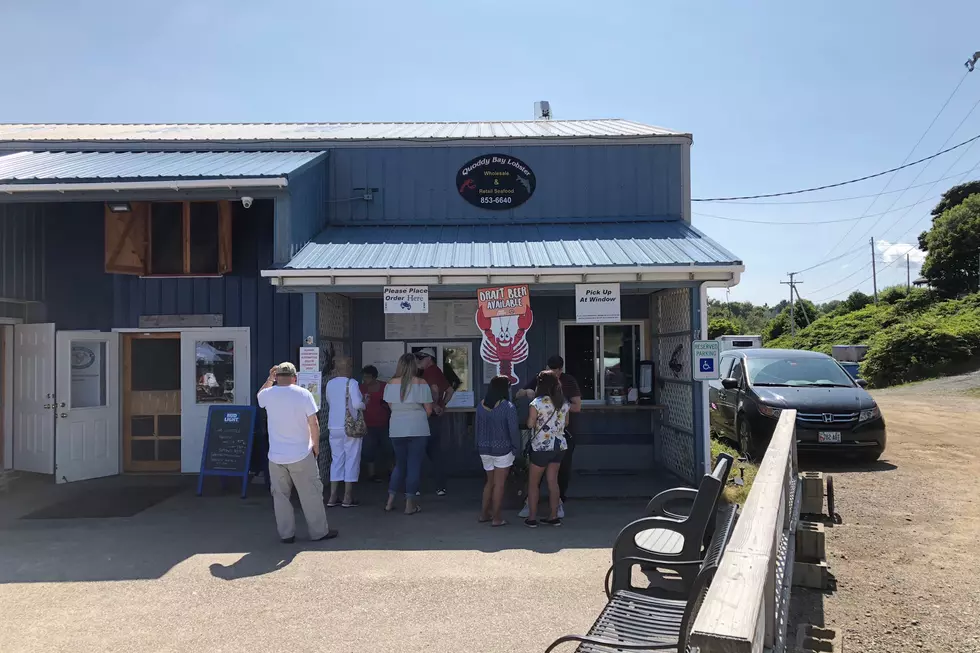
<point x="778" y="95"/>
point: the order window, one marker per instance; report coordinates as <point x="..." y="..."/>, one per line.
<point x="455" y="359"/>
<point x="603" y="358"/>
<point x="168" y="238"/>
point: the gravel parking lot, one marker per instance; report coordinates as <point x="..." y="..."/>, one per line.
<point x="905" y="558"/>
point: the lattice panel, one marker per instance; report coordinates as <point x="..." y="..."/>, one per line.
<point x="674" y="358"/>
<point x="680" y="405"/>
<point x="674" y="310"/>
<point x="334" y="315"/>
<point x="677" y="452"/>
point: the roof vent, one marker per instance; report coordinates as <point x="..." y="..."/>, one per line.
<point x="542" y="110"/>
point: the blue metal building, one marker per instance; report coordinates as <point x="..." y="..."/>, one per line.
<point x="129" y="247"/>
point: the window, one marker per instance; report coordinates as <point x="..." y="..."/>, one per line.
<point x="603" y="358"/>
<point x="88" y="376"/>
<point x="456" y="361"/>
<point x="215" y="371"/>
<point x="725" y="366"/>
<point x="737" y="372"/>
<point x="169" y="239"/>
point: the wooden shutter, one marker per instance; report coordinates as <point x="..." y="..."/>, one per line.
<point x="126" y="240"/>
<point x="224" y="237"/>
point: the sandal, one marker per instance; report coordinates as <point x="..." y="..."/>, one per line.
<point x="352" y="504"/>
<point x="417" y="510"/>
<point x="503" y="523"/>
<point x="483" y="520"/>
<point x="333" y="504"/>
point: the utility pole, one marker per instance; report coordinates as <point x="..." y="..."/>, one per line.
<point x="874" y="268"/>
<point x="908" y="275"/>
<point x="792" y="283"/>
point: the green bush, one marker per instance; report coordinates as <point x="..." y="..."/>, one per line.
<point x="913" y="338"/>
<point x="909" y="352"/>
<point x="723" y="326"/>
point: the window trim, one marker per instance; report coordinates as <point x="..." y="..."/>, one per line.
<point x="598" y="379"/>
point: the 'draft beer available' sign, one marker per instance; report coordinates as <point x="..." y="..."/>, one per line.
<point x="503" y="315"/>
<point x="495" y="181"/>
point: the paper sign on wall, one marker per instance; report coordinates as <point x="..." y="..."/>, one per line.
<point x="597" y="302"/>
<point x="309" y="359"/>
<point x="406" y="299"/>
<point x="503" y="315"/>
<point x="310" y="381"/>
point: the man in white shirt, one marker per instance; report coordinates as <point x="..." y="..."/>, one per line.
<point x="294" y="444"/>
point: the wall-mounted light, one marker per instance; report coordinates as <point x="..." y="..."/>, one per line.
<point x="119" y="207"/>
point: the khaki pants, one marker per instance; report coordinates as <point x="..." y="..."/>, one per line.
<point x="305" y="476"/>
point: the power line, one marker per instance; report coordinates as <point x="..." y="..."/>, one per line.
<point x="844" y="199"/>
<point x="951" y="166"/>
<point x="809" y="222"/>
<point x="840" y="183"/>
<point x="907" y="156"/>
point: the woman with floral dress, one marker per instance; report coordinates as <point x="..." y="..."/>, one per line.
<point x="546" y="418"/>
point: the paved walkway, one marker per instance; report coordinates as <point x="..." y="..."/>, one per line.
<point x="208" y="574"/>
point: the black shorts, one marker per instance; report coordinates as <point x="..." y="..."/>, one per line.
<point x="545" y="458"/>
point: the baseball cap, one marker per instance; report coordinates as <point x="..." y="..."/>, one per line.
<point x="427" y="351"/>
<point x="285" y="369"/>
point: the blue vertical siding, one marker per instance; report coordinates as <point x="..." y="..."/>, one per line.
<point x="302" y="213"/>
<point x="82" y="296"/>
<point x="21" y="257"/>
<point x="418" y="185"/>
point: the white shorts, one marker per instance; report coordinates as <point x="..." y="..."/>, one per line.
<point x="500" y="462"/>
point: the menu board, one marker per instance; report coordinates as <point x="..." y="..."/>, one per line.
<point x="227" y="443"/>
<point x="445" y="319"/>
<point x="383" y="355"/>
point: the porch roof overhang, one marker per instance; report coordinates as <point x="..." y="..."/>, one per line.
<point x="633" y="251"/>
<point x="36" y="173"/>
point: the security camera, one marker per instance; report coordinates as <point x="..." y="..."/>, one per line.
<point x="247" y="202"/>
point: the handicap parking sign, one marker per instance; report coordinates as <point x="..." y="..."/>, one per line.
<point x="704" y="354"/>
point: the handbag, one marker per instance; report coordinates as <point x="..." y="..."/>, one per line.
<point x="354" y="427"/>
<point x="534" y="434"/>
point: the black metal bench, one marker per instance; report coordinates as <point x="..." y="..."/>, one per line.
<point x="632" y="621"/>
<point x="673" y="534"/>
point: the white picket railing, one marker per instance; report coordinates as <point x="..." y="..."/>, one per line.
<point x="745" y="609"/>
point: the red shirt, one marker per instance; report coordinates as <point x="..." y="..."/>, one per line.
<point x="434" y="377"/>
<point x="376" y="413"/>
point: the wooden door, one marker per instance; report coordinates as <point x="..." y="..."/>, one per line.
<point x="151" y="402"/>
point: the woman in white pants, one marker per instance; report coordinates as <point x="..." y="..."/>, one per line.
<point x="345" y="451"/>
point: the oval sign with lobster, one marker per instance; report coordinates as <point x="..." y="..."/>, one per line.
<point x="495" y="181"/>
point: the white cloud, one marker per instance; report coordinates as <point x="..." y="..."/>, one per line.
<point x="891" y="251"/>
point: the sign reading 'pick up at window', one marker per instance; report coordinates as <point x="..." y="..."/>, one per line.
<point x="597" y="302"/>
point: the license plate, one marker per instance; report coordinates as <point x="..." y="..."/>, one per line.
<point x="828" y="436"/>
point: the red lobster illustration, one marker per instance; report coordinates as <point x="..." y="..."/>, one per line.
<point x="469" y="184"/>
<point x="504" y="347"/>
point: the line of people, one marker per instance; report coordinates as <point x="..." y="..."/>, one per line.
<point x="404" y="414"/>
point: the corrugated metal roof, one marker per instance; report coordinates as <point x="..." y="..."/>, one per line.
<point x="333" y="131"/>
<point x="389" y="247"/>
<point x="38" y="166"/>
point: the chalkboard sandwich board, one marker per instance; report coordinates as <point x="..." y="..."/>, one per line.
<point x="227" y="444"/>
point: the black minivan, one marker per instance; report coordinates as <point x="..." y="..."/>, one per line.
<point x="834" y="412"/>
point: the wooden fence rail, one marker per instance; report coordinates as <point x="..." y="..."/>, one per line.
<point x="745" y="608"/>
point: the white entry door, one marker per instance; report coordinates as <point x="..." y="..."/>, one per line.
<point x="34" y="398"/>
<point x="87" y="437"/>
<point x="215" y="369"/>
